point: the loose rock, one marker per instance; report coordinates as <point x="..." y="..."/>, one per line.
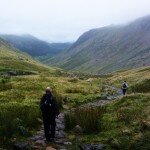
<point x="40" y="143"/>
<point x="67" y="143"/>
<point x="50" y="148"/>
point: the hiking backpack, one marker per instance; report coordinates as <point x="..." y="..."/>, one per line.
<point x="124" y="86"/>
<point x="46" y="103"/>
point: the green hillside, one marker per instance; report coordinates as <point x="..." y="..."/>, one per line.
<point x="108" y="49"/>
<point x="13" y="59"/>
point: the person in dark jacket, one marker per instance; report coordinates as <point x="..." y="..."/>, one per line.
<point x="50" y="111"/>
<point x="124" y="87"/>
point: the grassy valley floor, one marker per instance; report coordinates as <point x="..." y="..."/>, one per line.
<point x="121" y="124"/>
<point x="20" y="97"/>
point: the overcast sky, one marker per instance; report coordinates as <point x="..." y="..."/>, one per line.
<point x="66" y="20"/>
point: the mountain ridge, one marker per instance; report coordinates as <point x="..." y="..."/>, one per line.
<point x="34" y="46"/>
<point x="13" y="59"/>
<point x="108" y="49"/>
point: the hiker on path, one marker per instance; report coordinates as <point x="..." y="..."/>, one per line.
<point x="124" y="87"/>
<point x="50" y="111"/>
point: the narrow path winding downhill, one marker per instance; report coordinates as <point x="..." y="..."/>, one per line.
<point x="62" y="142"/>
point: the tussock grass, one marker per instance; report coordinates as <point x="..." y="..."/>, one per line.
<point x="20" y="97"/>
<point x="5" y="84"/>
<point x="141" y="87"/>
<point x="87" y="118"/>
<point x="124" y="124"/>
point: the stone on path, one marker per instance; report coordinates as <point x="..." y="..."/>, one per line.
<point x="60" y="127"/>
<point x="60" y="134"/>
<point x="40" y="143"/>
<point x="67" y="143"/>
<point x="37" y="147"/>
<point x="37" y="137"/>
<point x="50" y="148"/>
<point x="58" y="121"/>
<point x="61" y="141"/>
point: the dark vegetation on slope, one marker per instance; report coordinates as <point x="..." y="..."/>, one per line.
<point x="34" y="46"/>
<point x="108" y="49"/>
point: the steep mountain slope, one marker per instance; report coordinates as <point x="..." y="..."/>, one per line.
<point x="34" y="46"/>
<point x="13" y="59"/>
<point x="108" y="49"/>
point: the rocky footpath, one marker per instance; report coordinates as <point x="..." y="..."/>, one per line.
<point x="117" y="93"/>
<point x="38" y="141"/>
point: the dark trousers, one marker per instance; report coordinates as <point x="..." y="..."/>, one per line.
<point x="124" y="91"/>
<point x="49" y="126"/>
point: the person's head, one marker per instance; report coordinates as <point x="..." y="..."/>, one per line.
<point x="48" y="90"/>
<point x="125" y="81"/>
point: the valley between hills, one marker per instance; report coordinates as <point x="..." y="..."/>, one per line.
<point x="86" y="77"/>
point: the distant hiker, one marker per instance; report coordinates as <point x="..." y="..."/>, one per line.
<point x="50" y="111"/>
<point x="124" y="87"/>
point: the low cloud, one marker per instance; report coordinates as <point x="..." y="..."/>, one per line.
<point x="66" y="20"/>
